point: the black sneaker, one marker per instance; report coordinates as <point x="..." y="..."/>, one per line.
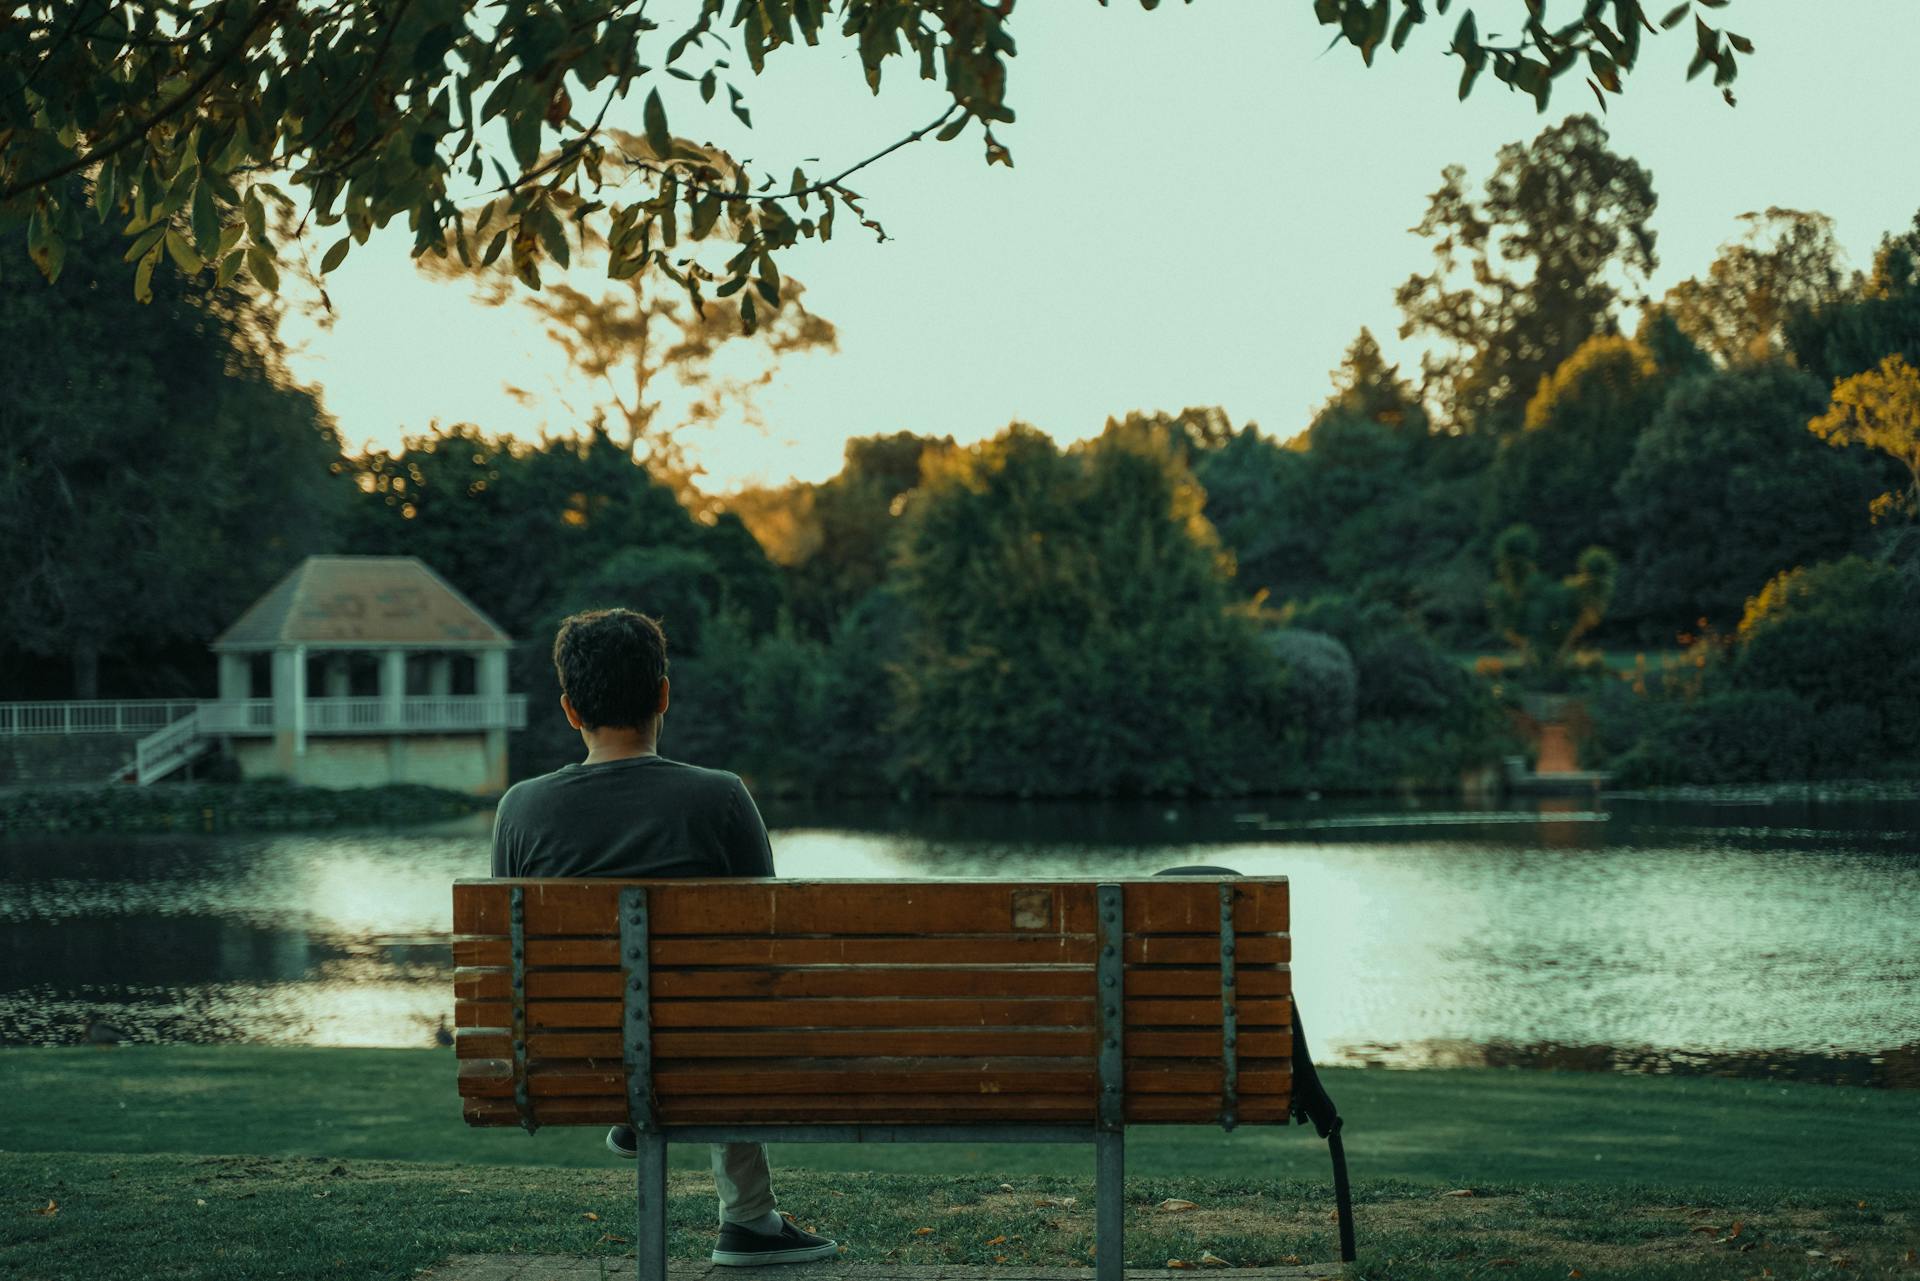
<point x="740" y="1248"/>
<point x="622" y="1141"/>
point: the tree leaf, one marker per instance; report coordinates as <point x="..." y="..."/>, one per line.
<point x="143" y="276"/>
<point x="655" y="117"/>
<point x="261" y="264"/>
<point x="182" y="252"/>
<point x="335" y="255"/>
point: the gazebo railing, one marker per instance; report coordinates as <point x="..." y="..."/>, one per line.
<point x="93" y="716"/>
<point x="419" y="714"/>
<point x="237" y="716"/>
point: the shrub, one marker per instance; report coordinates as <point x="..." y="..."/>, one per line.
<point x="1322" y="687"/>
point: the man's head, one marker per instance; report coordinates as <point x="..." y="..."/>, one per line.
<point x="612" y="665"/>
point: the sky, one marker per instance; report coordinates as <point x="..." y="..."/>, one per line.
<point x="1206" y="206"/>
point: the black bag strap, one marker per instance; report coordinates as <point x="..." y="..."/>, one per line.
<point x="1312" y="1105"/>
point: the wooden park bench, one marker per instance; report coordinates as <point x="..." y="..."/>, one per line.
<point x="741" y="1010"/>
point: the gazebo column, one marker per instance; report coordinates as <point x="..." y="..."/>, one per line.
<point x="339" y="676"/>
<point x="440" y="675"/>
<point x="393" y="688"/>
<point x="236" y="676"/>
<point x="491" y="684"/>
<point x="290" y="708"/>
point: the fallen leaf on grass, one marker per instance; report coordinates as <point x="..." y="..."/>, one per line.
<point x="607" y="1238"/>
<point x="1739" y="1225"/>
<point x="48" y="1210"/>
<point x="1707" y="1228"/>
<point x="464" y="1191"/>
<point x="1174" y="1205"/>
<point x="1006" y="1187"/>
<point x="1290" y="1258"/>
<point x="1459" y="1192"/>
<point x="590" y="1216"/>
<point x="1816" y="1254"/>
<point x="1910" y="1257"/>
<point x="923" y="1232"/>
<point x="997" y="1241"/>
<point x="1574" y="1272"/>
<point x="1064" y="1202"/>
<point x="999" y="1258"/>
<point x="199" y="1200"/>
<point x="1178" y="1263"/>
<point x="1208" y="1259"/>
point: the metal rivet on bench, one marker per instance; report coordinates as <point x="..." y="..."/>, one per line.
<point x="634" y="953"/>
<point x="1111" y="981"/>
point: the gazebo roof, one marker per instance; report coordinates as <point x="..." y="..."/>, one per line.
<point x="345" y="602"/>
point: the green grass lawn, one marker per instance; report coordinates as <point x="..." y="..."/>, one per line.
<point x="245" y="1161"/>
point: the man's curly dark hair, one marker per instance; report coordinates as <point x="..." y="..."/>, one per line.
<point x="610" y="663"/>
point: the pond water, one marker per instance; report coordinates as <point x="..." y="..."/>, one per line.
<point x="1753" y="939"/>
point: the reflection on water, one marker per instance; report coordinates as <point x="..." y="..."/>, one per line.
<point x="1760" y="940"/>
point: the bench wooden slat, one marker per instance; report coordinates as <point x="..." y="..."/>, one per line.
<point x="473" y="983"/>
<point x="494" y="1043"/>
<point x="987" y="949"/>
<point x="778" y="907"/>
<point x="493" y="1078"/>
<point x="1187" y="1109"/>
<point x="856" y="1012"/>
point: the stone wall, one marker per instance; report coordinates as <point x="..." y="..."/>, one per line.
<point x="39" y="760"/>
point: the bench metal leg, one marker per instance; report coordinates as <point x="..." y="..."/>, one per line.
<point x="1110" y="1206"/>
<point x="650" y="1236"/>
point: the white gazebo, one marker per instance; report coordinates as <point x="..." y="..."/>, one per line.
<point x="354" y="671"/>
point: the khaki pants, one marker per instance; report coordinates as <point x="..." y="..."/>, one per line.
<point x="745" y="1186"/>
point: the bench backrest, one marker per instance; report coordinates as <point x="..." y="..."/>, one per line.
<point x="872" y="1002"/>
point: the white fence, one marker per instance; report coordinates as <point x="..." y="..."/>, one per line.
<point x="94" y="716"/>
<point x="426" y="714"/>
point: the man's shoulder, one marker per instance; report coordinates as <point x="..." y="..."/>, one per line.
<point x="699" y="779"/>
<point x="703" y="777"/>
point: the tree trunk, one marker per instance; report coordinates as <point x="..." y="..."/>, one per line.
<point x="86" y="670"/>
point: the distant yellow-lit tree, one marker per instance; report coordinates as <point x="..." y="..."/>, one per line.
<point x="1881" y="410"/>
<point x="1737" y="310"/>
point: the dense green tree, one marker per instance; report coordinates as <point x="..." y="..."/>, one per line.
<point x="834" y="540"/>
<point x="1880" y="318"/>
<point x="1727" y="487"/>
<point x="1543" y="617"/>
<point x="1070" y="628"/>
<point x="1737" y="311"/>
<point x="1557" y="474"/>
<point x="158" y="468"/>
<point x="400" y="109"/>
<point x="514" y="524"/>
<point x="1420" y="716"/>
<point x="1529" y="270"/>
<point x="1259" y="498"/>
<point x="1817" y="682"/>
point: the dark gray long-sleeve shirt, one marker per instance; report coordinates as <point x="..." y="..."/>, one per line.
<point x="642" y="816"/>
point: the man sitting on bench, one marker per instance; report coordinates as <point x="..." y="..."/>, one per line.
<point x="627" y="811"/>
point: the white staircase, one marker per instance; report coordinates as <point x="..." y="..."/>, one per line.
<point x="164" y="751"/>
